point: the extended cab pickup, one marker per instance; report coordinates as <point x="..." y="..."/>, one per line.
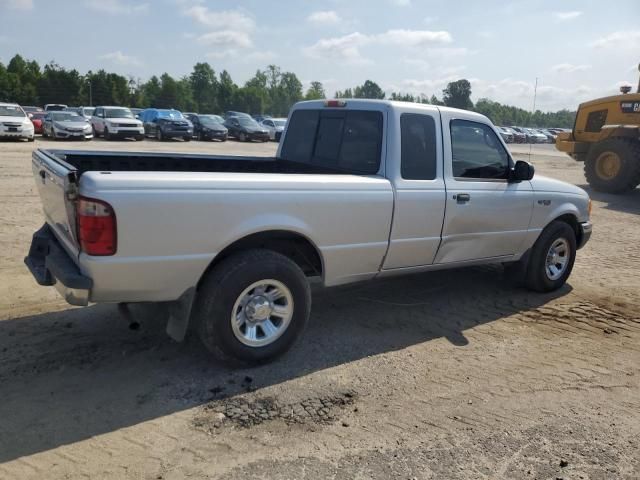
<point x="359" y="189"/>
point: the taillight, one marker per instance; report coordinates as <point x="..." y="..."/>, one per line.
<point x="335" y="103"/>
<point x="96" y="227"/>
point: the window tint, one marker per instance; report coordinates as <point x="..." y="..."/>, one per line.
<point x="346" y="140"/>
<point x="476" y="151"/>
<point x="595" y="121"/>
<point x="418" y="147"/>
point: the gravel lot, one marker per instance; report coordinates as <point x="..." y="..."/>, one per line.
<point x="442" y="375"/>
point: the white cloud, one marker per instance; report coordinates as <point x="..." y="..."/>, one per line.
<point x="225" y="19"/>
<point x="564" y="16"/>
<point x="348" y="47"/>
<point x="345" y="48"/>
<point x="120" y="58"/>
<point x="444" y="53"/>
<point x="328" y="17"/>
<point x="629" y="39"/>
<point x="569" y="68"/>
<point x="401" y="3"/>
<point x="226" y="39"/>
<point x="413" y="38"/>
<point x="116" y="7"/>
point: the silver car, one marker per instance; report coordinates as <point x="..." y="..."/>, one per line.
<point x="66" y="125"/>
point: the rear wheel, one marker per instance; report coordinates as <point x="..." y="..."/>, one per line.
<point x="552" y="258"/>
<point x="613" y="165"/>
<point x="252" y="306"/>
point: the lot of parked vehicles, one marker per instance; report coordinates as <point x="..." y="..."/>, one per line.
<point x="59" y="121"/>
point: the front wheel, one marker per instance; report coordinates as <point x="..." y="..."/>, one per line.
<point x="242" y="137"/>
<point x="159" y="135"/>
<point x="552" y="258"/>
<point x="107" y="135"/>
<point x="187" y="138"/>
<point x="252" y="306"/>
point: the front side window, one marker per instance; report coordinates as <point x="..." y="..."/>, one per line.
<point x="418" y="147"/>
<point x="477" y="152"/>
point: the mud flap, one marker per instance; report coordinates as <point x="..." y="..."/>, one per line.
<point x="180" y="314"/>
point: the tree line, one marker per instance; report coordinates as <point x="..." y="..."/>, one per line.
<point x="269" y="91"/>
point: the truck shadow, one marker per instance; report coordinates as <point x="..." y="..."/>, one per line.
<point x="71" y="375"/>
<point x="627" y="202"/>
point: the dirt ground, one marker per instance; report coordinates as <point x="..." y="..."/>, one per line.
<point x="446" y="375"/>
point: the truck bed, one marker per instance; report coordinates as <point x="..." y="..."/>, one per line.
<point x="82" y="161"/>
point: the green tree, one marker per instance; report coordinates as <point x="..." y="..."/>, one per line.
<point x="458" y="95"/>
<point x="226" y="91"/>
<point x="168" y="94"/>
<point x="204" y="86"/>
<point x="368" y="89"/>
<point x="58" y="85"/>
<point x="315" y="91"/>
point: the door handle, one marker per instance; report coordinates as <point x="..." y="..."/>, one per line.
<point x="462" y="197"/>
<point x="42" y="174"/>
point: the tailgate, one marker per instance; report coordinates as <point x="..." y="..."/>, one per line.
<point x="57" y="185"/>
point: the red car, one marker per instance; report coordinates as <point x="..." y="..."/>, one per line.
<point x="37" y="118"/>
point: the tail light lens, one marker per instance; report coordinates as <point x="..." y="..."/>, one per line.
<point x="96" y="227"/>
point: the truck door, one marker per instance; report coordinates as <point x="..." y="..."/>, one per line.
<point x="486" y="214"/>
<point x="415" y="167"/>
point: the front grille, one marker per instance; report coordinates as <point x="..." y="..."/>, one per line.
<point x="12" y="124"/>
<point x="128" y="125"/>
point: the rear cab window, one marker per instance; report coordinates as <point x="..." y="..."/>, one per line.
<point x="344" y="140"/>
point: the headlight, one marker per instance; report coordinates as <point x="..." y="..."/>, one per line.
<point x="87" y="127"/>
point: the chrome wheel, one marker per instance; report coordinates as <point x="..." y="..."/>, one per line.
<point x="557" y="259"/>
<point x="262" y="313"/>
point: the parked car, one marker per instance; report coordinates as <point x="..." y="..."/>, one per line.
<point x="274" y="126"/>
<point x="86" y="112"/>
<point x="231" y="243"/>
<point x="54" y="107"/>
<point x="246" y="129"/>
<point x="136" y="111"/>
<point x="535" y="136"/>
<point x="116" y="122"/>
<point x="232" y="113"/>
<point x="66" y="125"/>
<point x="15" y="123"/>
<point x="551" y="136"/>
<point x="164" y="124"/>
<point x="506" y="134"/>
<point x="30" y="109"/>
<point x="261" y="118"/>
<point x="519" y="135"/>
<point x="37" y="118"/>
<point x="208" y="127"/>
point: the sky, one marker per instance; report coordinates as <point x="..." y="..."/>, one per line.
<point x="577" y="50"/>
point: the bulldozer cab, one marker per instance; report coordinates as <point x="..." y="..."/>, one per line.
<point x="618" y="115"/>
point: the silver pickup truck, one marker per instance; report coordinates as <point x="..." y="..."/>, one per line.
<point x="359" y="189"/>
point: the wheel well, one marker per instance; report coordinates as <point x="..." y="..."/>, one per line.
<point x="572" y="221"/>
<point x="292" y="245"/>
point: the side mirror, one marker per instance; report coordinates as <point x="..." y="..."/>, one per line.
<point x="31" y="115"/>
<point x="522" y="171"/>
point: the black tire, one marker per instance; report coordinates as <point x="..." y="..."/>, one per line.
<point x="242" y="137"/>
<point x="139" y="138"/>
<point x="187" y="139"/>
<point x="31" y="139"/>
<point x="221" y="289"/>
<point x="537" y="277"/>
<point x="107" y="135"/>
<point x="95" y="133"/>
<point x="159" y="135"/>
<point x="627" y="176"/>
<point x="44" y="133"/>
<point x="200" y="137"/>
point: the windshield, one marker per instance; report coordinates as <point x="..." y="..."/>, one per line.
<point x="117" y="113"/>
<point x="248" y="122"/>
<point x="87" y="111"/>
<point x="66" y="117"/>
<point x="38" y="116"/>
<point x="11" y="111"/>
<point x="172" y="114"/>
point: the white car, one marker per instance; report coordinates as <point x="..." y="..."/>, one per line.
<point x="116" y="122"/>
<point x="274" y="125"/>
<point x="15" y="123"/>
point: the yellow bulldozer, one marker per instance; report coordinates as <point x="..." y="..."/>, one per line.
<point x="606" y="137"/>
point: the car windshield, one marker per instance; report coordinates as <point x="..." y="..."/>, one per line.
<point x="87" y="112"/>
<point x="38" y="116"/>
<point x="117" y="113"/>
<point x="280" y="123"/>
<point x="247" y="122"/>
<point x="209" y="120"/>
<point x="66" y="117"/>
<point x="172" y="114"/>
<point x="11" y="111"/>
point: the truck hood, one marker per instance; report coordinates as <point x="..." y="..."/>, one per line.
<point x="540" y="183"/>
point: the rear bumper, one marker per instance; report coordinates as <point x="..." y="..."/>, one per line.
<point x="585" y="234"/>
<point x="51" y="265"/>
